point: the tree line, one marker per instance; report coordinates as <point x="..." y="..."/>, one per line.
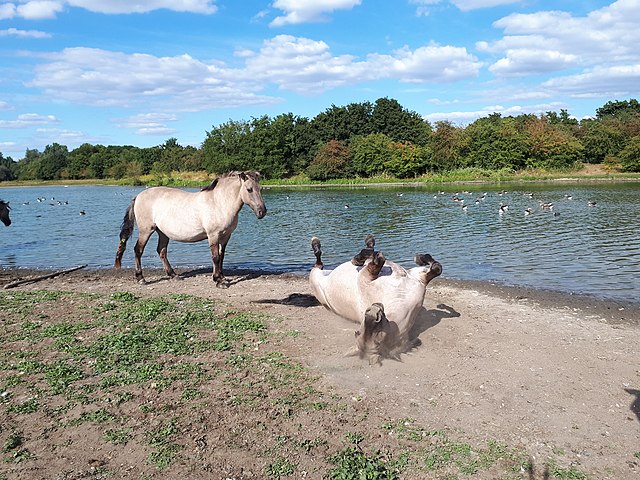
<point x="360" y="140"/>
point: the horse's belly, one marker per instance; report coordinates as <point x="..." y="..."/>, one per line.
<point x="181" y="227"/>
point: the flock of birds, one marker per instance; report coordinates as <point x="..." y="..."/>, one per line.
<point x="461" y="198"/>
<point x="53" y="202"/>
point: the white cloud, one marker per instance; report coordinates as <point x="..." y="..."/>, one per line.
<point x="308" y="11"/>
<point x="524" y="61"/>
<point x="607" y="82"/>
<point x="14" y="32"/>
<point x="466" y="5"/>
<point x="4" y="105"/>
<point x="39" y="9"/>
<point x="25" y="120"/>
<point x="424" y="7"/>
<point x="42" y="9"/>
<point x="431" y="63"/>
<point x="7" y="10"/>
<point x="465" y="117"/>
<point x="142" y="6"/>
<point x="149" y="123"/>
<point x="105" y="78"/>
<point x="559" y="40"/>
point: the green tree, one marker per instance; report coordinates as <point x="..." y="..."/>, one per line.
<point x="397" y="123"/>
<point x="407" y="160"/>
<point x="618" y="109"/>
<point x="331" y="161"/>
<point x="342" y="123"/>
<point x="369" y="154"/>
<point x="550" y="147"/>
<point x="445" y="146"/>
<point x="7" y="168"/>
<point x="630" y="156"/>
<point x="223" y="147"/>
<point x="52" y="162"/>
<point x="494" y="142"/>
<point x="599" y="139"/>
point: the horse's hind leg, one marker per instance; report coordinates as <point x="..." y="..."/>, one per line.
<point x="143" y="238"/>
<point x="315" y="246"/>
<point x="435" y="268"/>
<point x="375" y="265"/>
<point x="365" y="253"/>
<point x="163" y="243"/>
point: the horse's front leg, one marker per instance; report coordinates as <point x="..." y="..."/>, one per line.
<point x="163" y="244"/>
<point x="217" y="255"/>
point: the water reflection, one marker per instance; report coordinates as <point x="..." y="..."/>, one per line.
<point x="571" y="247"/>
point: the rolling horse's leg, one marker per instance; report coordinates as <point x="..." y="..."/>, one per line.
<point x="163" y="243"/>
<point x="315" y="246"/>
<point x="143" y="238"/>
<point x="365" y="253"/>
<point x="435" y="268"/>
<point x="375" y="265"/>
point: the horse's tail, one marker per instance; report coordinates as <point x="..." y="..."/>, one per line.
<point x="126" y="230"/>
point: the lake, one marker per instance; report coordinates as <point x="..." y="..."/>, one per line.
<point x="574" y="247"/>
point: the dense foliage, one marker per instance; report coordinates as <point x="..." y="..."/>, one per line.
<point x="360" y="140"/>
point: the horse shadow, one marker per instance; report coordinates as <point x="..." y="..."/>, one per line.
<point x="635" y="405"/>
<point x="427" y="319"/>
<point x="233" y="276"/>
<point x="303" y="300"/>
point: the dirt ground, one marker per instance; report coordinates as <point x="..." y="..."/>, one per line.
<point x="551" y="374"/>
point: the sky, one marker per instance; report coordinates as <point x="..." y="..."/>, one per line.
<point x="138" y="72"/>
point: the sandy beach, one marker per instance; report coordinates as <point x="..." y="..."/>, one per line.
<point x="551" y="374"/>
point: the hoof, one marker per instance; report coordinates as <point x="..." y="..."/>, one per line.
<point x="435" y="269"/>
<point x="370" y="241"/>
<point x="142" y="281"/>
<point x="315" y="245"/>
<point x="423" y="259"/>
<point x="223" y="284"/>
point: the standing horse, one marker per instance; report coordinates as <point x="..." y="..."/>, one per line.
<point x="211" y="213"/>
<point x="4" y="213"/>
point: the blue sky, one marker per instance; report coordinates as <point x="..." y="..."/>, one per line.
<point x="125" y="72"/>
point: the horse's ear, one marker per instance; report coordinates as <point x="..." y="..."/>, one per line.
<point x="243" y="176"/>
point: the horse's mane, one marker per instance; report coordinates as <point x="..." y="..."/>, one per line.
<point x="254" y="175"/>
<point x="2" y="202"/>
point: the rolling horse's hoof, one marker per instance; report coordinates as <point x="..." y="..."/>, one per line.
<point x="365" y="253"/>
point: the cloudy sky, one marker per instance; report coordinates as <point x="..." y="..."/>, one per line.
<point x="124" y="72"/>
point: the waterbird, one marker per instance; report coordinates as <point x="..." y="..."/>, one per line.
<point x="591" y="203"/>
<point x="528" y="211"/>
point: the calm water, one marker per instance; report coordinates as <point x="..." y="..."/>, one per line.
<point x="574" y="248"/>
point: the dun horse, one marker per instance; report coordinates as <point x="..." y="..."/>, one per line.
<point x="211" y="213"/>
<point x="4" y="213"/>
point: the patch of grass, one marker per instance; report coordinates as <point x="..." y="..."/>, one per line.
<point x="161" y="440"/>
<point x="14" y="440"/>
<point x="118" y="436"/>
<point x="280" y="467"/>
<point x="29" y="406"/>
<point x="352" y="463"/>
<point x="570" y="473"/>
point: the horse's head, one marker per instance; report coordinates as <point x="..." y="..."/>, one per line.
<point x="4" y="213"/>
<point x="377" y="337"/>
<point x="250" y="193"/>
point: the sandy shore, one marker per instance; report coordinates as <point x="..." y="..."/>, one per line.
<point x="552" y="374"/>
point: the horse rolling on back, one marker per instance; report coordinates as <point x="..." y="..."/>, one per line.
<point x="4" y="213"/>
<point x="211" y="213"/>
